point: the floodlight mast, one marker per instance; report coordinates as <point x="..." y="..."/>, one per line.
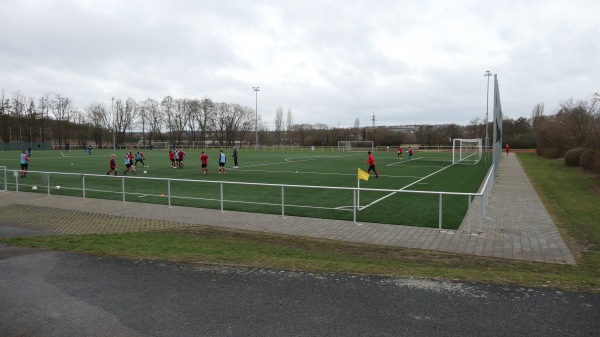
<point x="487" y="104"/>
<point x="256" y="90"/>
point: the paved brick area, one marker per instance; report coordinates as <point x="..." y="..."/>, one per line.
<point x="516" y="225"/>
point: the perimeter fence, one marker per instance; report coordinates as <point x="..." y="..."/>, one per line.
<point x="282" y="199"/>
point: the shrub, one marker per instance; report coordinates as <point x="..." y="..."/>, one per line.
<point x="590" y="160"/>
<point x="552" y="153"/>
<point x="572" y="156"/>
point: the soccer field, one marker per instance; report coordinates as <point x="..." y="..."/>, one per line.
<point x="309" y="183"/>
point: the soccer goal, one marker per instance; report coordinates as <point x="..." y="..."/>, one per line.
<point x="356" y="145"/>
<point x="160" y="145"/>
<point x="466" y="151"/>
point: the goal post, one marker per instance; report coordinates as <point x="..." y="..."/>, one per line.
<point x="466" y="151"/>
<point x="160" y="145"/>
<point x="356" y="145"/>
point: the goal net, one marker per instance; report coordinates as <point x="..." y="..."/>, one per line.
<point x="466" y="151"/>
<point x="356" y="145"/>
<point x="160" y="145"/>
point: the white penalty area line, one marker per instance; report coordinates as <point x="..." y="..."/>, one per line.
<point x="405" y="187"/>
<point x="408" y="161"/>
<point x="297" y="160"/>
<point x="402" y="162"/>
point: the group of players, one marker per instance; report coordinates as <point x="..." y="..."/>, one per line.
<point x="129" y="164"/>
<point x="410" y="152"/>
<point x="176" y="156"/>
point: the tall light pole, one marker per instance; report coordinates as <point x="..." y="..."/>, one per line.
<point x="487" y="104"/>
<point x="113" y="122"/>
<point x="256" y="90"/>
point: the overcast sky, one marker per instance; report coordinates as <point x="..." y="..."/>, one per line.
<point x="406" y="62"/>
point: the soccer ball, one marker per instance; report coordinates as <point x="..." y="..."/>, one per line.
<point x="57" y="187"/>
<point x="34" y="188"/>
<point x="145" y="172"/>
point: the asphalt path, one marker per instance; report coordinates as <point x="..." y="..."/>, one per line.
<point x="47" y="293"/>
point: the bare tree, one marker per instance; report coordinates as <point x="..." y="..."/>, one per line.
<point x="125" y="115"/>
<point x="476" y="128"/>
<point x="278" y="124"/>
<point x="168" y="107"/>
<point x="192" y="109"/>
<point x="356" y="129"/>
<point x="154" y="116"/>
<point x="82" y="131"/>
<point x="576" y="116"/>
<point x="232" y="123"/>
<point x="99" y="120"/>
<point x="450" y="132"/>
<point x="205" y="117"/>
<point x="537" y="111"/>
<point x="62" y="110"/>
<point x="289" y="126"/>
<point x="44" y="108"/>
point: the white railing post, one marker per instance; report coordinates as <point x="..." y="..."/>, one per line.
<point x="5" y="177"/>
<point x="221" y="196"/>
<point x="169" y="191"/>
<point x="440" y="216"/>
<point x="282" y="201"/>
<point x="83" y="185"/>
<point x="469" y="213"/>
<point x="354" y="205"/>
<point x="123" y="187"/>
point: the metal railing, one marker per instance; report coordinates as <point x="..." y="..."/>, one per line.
<point x="484" y="191"/>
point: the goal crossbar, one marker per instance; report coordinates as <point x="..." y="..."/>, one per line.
<point x="356" y="145"/>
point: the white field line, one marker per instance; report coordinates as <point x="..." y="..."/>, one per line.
<point x="405" y="161"/>
<point x="405" y="187"/>
<point x="323" y="173"/>
<point x="296" y="160"/>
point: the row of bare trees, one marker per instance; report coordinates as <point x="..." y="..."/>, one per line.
<point x="53" y="119"/>
<point x="574" y="125"/>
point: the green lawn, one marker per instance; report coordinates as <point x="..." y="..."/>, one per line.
<point x="303" y="175"/>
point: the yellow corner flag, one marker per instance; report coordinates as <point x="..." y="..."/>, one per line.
<point x="363" y="175"/>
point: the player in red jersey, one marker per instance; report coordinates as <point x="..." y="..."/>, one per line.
<point x="371" y="162"/>
<point x="204" y="160"/>
<point x="181" y="154"/>
<point x="172" y="157"/>
<point x="112" y="165"/>
<point x="399" y="152"/>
